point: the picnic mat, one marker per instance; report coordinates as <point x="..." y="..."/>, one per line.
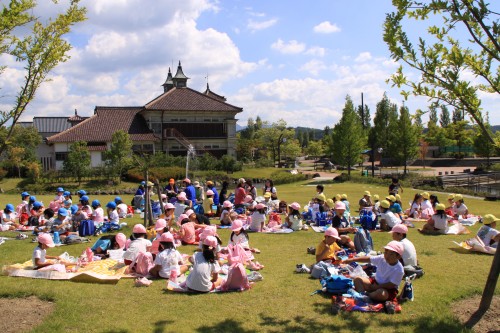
<point x="277" y="231"/>
<point x="101" y="271"/>
<point x="476" y="245"/>
<point x="457" y="229"/>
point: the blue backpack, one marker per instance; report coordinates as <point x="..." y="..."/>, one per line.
<point x="363" y="240"/>
<point x="336" y="284"/>
<point x="86" y="228"/>
<point x="198" y="209"/>
<point x="321" y="219"/>
<point x="367" y="222"/>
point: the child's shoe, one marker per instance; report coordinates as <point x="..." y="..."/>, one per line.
<point x="311" y="250"/>
<point x="302" y="268"/>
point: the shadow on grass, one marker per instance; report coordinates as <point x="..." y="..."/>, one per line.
<point x="228" y="325"/>
<point x="461" y="250"/>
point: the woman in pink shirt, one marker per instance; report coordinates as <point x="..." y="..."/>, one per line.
<point x="240" y="194"/>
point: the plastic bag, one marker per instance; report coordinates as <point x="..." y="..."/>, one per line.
<point x="356" y="271"/>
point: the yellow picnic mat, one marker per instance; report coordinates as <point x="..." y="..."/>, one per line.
<point x="101" y="271"/>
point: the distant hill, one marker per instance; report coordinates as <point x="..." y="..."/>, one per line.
<point x="495" y="128"/>
<point x="317" y="133"/>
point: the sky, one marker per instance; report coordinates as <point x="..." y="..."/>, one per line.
<point x="280" y="59"/>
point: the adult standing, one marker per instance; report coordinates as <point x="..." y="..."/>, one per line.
<point x="395" y="187"/>
<point x="189" y="190"/>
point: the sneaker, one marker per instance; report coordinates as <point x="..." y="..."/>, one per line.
<point x="302" y="268"/>
<point x="255" y="277"/>
<point x="305" y="227"/>
<point x="21" y="236"/>
<point x="311" y="250"/>
<point x="390" y="308"/>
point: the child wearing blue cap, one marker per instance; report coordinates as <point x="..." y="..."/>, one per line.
<point x="67" y="200"/>
<point x="77" y="215"/>
<point x="59" y="195"/>
<point x="98" y="213"/>
<point x="112" y="213"/>
<point x="121" y="208"/>
<point x="85" y="206"/>
<point x="61" y="223"/>
<point x="8" y="218"/>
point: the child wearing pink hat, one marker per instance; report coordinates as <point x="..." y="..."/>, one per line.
<point x="409" y="255"/>
<point x="239" y="237"/>
<point x="339" y="222"/>
<point x="208" y="204"/>
<point x="168" y="263"/>
<point x="139" y="243"/>
<point x="225" y="216"/>
<point x="204" y="276"/>
<point x="109" y="242"/>
<point x="181" y="204"/>
<point x="187" y="232"/>
<point x="328" y="247"/>
<point x="258" y="218"/>
<point x="384" y="286"/>
<point x="160" y="227"/>
<point x="40" y="256"/>
<point x="293" y="218"/>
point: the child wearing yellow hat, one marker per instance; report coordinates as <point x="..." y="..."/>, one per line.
<point x="459" y="208"/>
<point x="438" y="223"/>
<point x="487" y="233"/>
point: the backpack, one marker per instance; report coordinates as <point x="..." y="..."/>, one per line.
<point x="236" y="254"/>
<point x="322" y="270"/>
<point x="86" y="228"/>
<point x="367" y="221"/>
<point x="198" y="209"/>
<point x="237" y="279"/>
<point x="73" y="239"/>
<point x="336" y="284"/>
<point x="407" y="292"/>
<point x="143" y="263"/>
<point x="321" y="219"/>
<point x="363" y="240"/>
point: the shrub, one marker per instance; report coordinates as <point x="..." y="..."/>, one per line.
<point x="215" y="176"/>
<point x="283" y="177"/>
<point x="264" y="163"/>
<point x="162" y="174"/>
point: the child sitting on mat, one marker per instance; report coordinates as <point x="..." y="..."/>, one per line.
<point x="293" y="219"/>
<point x="139" y="243"/>
<point x="487" y="233"/>
<point x="40" y="256"/>
<point x="390" y="272"/>
<point x="327" y="248"/>
<point x="438" y="223"/>
<point x="204" y="276"/>
<point x="168" y="262"/>
<point x="109" y="242"/>
<point x="258" y="218"/>
<point x="226" y="218"/>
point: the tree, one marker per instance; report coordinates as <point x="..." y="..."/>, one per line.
<point x="433" y="115"/>
<point x="408" y="138"/>
<point x="118" y="158"/>
<point x="315" y="148"/>
<point x="444" y="120"/>
<point x="446" y="60"/>
<point x="348" y="137"/>
<point x="40" y="51"/>
<point x="229" y="164"/>
<point x="380" y="132"/>
<point x="461" y="136"/>
<point x="456" y="116"/>
<point x="78" y="161"/>
<point x="15" y="158"/>
<point x="483" y="147"/>
<point x="364" y="116"/>
<point x="272" y="137"/>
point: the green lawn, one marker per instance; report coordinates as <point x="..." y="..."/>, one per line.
<point x="279" y="303"/>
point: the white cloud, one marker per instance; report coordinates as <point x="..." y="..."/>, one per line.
<point x="326" y="28"/>
<point x="363" y="56"/>
<point x="313" y="67"/>
<point x="260" y="25"/>
<point x="292" y="47"/>
<point x="316" y="51"/>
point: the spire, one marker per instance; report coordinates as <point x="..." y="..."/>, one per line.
<point x="169" y="83"/>
<point x="180" y="80"/>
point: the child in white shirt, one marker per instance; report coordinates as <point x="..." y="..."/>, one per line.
<point x="168" y="262"/>
<point x="487" y="233"/>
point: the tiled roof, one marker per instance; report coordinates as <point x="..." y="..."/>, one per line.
<point x="76" y="118"/>
<point x="187" y="99"/>
<point x="97" y="148"/>
<point x="107" y="120"/>
<point x="51" y="124"/>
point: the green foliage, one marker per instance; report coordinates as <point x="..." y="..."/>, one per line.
<point x="284" y="177"/>
<point x="315" y="149"/>
<point x="407" y="138"/>
<point x="264" y="163"/>
<point x="229" y="164"/>
<point x="78" y="161"/>
<point x="272" y="138"/>
<point x="160" y="159"/>
<point x="205" y="162"/>
<point x="162" y="174"/>
<point x="444" y="119"/>
<point x="379" y="135"/>
<point x="40" y="50"/>
<point x="118" y="157"/>
<point x="347" y="137"/>
<point x="445" y="59"/>
<point x="482" y="146"/>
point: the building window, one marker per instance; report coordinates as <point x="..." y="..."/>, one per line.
<point x="61" y="156"/>
<point x="215" y="146"/>
<point x="156" y="128"/>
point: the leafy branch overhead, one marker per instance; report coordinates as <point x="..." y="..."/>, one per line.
<point x="454" y="71"/>
<point x="39" y="51"/>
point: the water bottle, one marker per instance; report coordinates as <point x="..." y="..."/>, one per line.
<point x="351" y="221"/>
<point x="57" y="239"/>
<point x="173" y="275"/>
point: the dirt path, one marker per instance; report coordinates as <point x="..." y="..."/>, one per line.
<point x="23" y="314"/>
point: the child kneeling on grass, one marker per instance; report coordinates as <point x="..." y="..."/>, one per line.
<point x="168" y="263"/>
<point x="384" y="286"/>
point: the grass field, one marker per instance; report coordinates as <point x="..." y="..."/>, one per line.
<point x="279" y="303"/>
